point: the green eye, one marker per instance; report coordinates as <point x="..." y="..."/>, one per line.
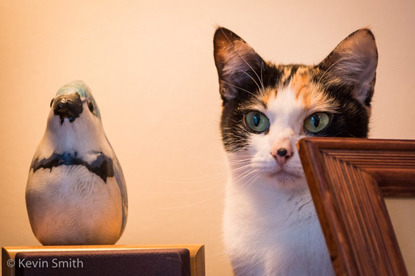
<point x="317" y="122"/>
<point x="256" y="121"/>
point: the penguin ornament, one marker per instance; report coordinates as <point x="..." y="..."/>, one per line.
<point x="76" y="191"/>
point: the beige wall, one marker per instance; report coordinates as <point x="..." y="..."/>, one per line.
<point x="150" y="66"/>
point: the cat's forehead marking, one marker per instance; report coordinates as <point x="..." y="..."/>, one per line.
<point x="296" y="80"/>
<point x="265" y="95"/>
<point x="302" y="85"/>
<point x="288" y="71"/>
<point x="311" y="94"/>
<point x="282" y="100"/>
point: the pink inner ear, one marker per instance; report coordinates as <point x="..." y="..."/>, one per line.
<point x="353" y="62"/>
<point x="239" y="57"/>
<point x="237" y="63"/>
<point x="358" y="57"/>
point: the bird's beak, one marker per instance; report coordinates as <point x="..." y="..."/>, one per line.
<point x="68" y="106"/>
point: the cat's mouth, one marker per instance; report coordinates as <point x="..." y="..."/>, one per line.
<point x="284" y="177"/>
<point x="287" y="172"/>
<point x="280" y="173"/>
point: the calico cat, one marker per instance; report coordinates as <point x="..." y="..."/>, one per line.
<point x="270" y="222"/>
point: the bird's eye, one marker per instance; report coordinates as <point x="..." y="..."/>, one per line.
<point x="91" y="106"/>
<point x="256" y="122"/>
<point x="317" y="122"/>
<point x="51" y="102"/>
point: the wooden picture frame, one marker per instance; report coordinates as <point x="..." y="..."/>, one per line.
<point x="348" y="178"/>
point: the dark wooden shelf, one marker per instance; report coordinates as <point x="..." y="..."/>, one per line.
<point x="180" y="260"/>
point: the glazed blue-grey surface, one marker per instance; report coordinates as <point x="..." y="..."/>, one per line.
<point x="76" y="192"/>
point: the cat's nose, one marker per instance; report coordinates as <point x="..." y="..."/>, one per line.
<point x="281" y="155"/>
<point x="282" y="152"/>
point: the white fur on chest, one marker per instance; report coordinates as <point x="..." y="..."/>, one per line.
<point x="271" y="231"/>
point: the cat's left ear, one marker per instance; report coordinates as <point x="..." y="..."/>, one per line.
<point x="353" y="63"/>
<point x="239" y="66"/>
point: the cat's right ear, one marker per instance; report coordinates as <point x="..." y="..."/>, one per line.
<point x="353" y="63"/>
<point x="239" y="67"/>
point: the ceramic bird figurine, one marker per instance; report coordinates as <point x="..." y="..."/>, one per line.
<point x="76" y="191"/>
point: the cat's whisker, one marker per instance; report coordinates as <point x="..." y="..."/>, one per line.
<point x="241" y="162"/>
<point x="251" y="180"/>
<point x="261" y="79"/>
<point x="246" y="174"/>
<point x="241" y="159"/>
<point x="247" y="179"/>
<point x="256" y="83"/>
<point x="238" y="165"/>
<point x="241" y="168"/>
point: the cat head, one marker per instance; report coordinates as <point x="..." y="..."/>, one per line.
<point x="267" y="108"/>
